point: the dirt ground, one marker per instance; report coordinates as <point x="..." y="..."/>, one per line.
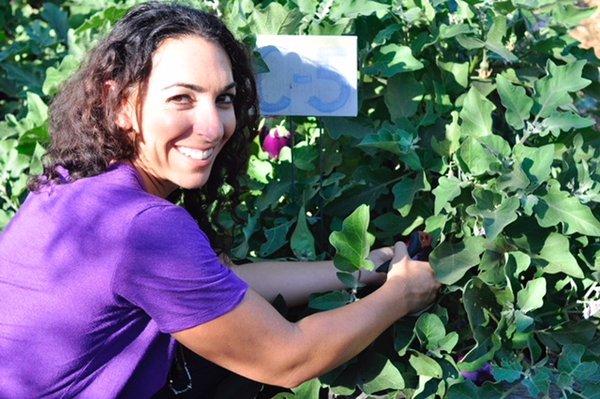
<point x="588" y="33"/>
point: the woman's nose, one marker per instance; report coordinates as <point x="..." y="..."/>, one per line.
<point x="208" y="123"/>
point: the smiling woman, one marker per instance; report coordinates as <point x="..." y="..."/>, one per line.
<point x="103" y="276"/>
<point x="187" y="115"/>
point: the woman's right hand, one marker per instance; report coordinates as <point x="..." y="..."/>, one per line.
<point x="414" y="280"/>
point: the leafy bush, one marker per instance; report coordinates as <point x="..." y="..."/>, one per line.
<point x="476" y="124"/>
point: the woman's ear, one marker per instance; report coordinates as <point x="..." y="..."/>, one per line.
<point x="125" y="116"/>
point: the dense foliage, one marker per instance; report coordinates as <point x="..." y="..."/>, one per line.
<point x="476" y="124"/>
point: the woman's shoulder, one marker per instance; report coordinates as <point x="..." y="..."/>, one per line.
<point x="116" y="196"/>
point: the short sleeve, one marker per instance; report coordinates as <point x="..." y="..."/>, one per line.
<point x="169" y="270"/>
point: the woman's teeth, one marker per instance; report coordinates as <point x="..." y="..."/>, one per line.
<point x="196" y="154"/>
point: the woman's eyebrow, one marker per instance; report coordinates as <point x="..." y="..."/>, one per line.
<point x="197" y="88"/>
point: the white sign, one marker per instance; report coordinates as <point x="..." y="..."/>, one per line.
<point x="308" y="75"/>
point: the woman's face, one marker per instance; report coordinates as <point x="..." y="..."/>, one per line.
<point x="187" y="114"/>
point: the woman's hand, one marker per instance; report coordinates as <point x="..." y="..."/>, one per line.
<point x="414" y="279"/>
<point x="378" y="256"/>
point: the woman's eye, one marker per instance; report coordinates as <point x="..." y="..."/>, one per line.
<point x="181" y="99"/>
<point x="226" y="98"/>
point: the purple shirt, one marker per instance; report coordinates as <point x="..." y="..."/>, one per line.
<point x="94" y="276"/>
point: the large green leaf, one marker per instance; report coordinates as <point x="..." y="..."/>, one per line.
<point x="425" y="365"/>
<point x="355" y="8"/>
<point x="392" y="59"/>
<point x="452" y="260"/>
<point x="495" y="216"/>
<point x="403" y="94"/>
<point x="451" y="141"/>
<point x="57" y="19"/>
<point x="308" y="390"/>
<point x="276" y="238"/>
<point x="353" y="242"/>
<point x="379" y="374"/>
<point x="352" y="127"/>
<point x="460" y="71"/>
<point x="553" y="90"/>
<point x="303" y="242"/>
<point x="557" y="253"/>
<point x="515" y="100"/>
<point x="276" y="19"/>
<point x="476" y="114"/>
<point x="558" y="207"/>
<point x="565" y="121"/>
<point x="448" y="188"/>
<point x="430" y="330"/>
<point x="390" y="138"/>
<point x="405" y="190"/>
<point x="494" y="39"/>
<point x="480" y="302"/>
<point x="536" y="162"/>
<point x="476" y="157"/>
<point x="532" y="296"/>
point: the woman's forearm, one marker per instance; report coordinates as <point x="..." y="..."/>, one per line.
<point x="336" y="336"/>
<point x="295" y="281"/>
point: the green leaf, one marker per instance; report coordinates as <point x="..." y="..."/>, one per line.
<point x="565" y="121"/>
<point x="451" y="261"/>
<point x="402" y="95"/>
<point x="496" y="217"/>
<point x="355" y="8"/>
<point x="276" y="19"/>
<point x="430" y="330"/>
<point x="558" y="255"/>
<point x="477" y="157"/>
<point x="425" y="366"/>
<point x="395" y="140"/>
<point x="308" y="390"/>
<point x="353" y="242"/>
<point x="403" y="336"/>
<point x="352" y="127"/>
<point x="331" y="300"/>
<point x="559" y="207"/>
<point x="553" y="90"/>
<point x="405" y="190"/>
<point x="392" y="59"/>
<point x="276" y="238"/>
<point x="570" y="357"/>
<point x="241" y="250"/>
<point x="378" y="374"/>
<point x="476" y="114"/>
<point x="447" y="189"/>
<point x="494" y="39"/>
<point x="451" y="141"/>
<point x="515" y="100"/>
<point x="538" y="382"/>
<point x="460" y="71"/>
<point x="506" y="374"/>
<point x="483" y="312"/>
<point x="469" y="42"/>
<point x="57" y="19"/>
<point x="56" y="76"/>
<point x="107" y="16"/>
<point x="259" y="169"/>
<point x="536" y="162"/>
<point x="532" y="296"/>
<point x="448" y="31"/>
<point x="302" y="241"/>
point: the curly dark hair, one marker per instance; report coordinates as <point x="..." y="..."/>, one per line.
<point x="84" y="135"/>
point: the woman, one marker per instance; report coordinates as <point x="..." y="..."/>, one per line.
<point x="101" y="275"/>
